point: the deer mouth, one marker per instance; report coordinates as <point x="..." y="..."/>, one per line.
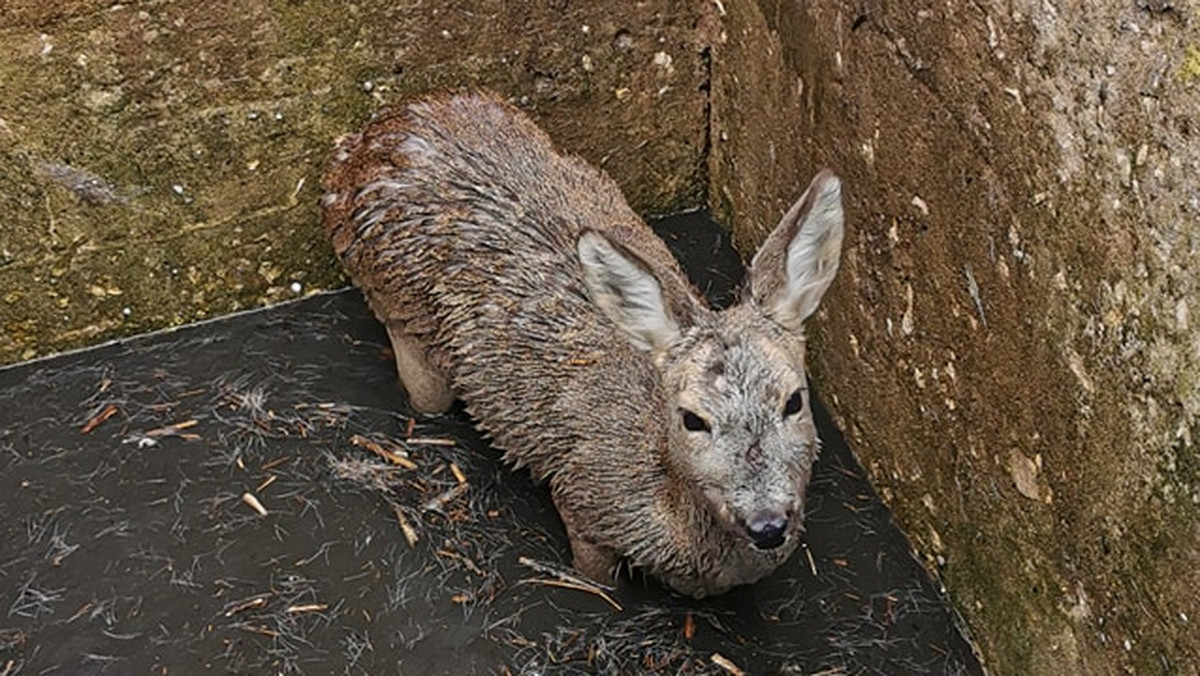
<point x="765" y="529"/>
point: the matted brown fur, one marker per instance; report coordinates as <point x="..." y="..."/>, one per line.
<point x="517" y="279"/>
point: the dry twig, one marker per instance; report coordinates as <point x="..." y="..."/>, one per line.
<point x="396" y="456"/>
<point x="97" y="420"/>
<point x="726" y="664"/>
<point x="567" y="581"/>
<point x="254" y="504"/>
<point x="410" y="533"/>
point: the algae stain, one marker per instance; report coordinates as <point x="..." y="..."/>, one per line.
<point x="1189" y="68"/>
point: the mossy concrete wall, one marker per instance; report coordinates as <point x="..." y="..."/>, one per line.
<point x="1010" y="344"/>
<point x="160" y="162"/>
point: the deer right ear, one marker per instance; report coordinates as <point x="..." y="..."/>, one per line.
<point x="626" y="292"/>
<point x="798" y="261"/>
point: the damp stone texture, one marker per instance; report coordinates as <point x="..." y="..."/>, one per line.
<point x="160" y="162"/>
<point x="1010" y="344"/>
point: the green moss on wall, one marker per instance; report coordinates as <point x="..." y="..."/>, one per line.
<point x="161" y="163"/>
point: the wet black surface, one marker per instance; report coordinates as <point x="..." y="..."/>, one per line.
<point x="127" y="544"/>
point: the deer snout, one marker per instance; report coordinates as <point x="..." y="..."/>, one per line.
<point x="767" y="529"/>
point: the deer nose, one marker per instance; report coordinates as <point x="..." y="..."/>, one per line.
<point x="767" y="529"/>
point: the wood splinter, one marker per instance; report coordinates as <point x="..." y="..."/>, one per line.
<point x="97" y="420"/>
<point x="430" y="441"/>
<point x="249" y="604"/>
<point x="394" y="457"/>
<point x="410" y="533"/>
<point x="727" y="664"/>
<point x="308" y="608"/>
<point x="565" y="580"/>
<point x="438" y="502"/>
<point x="254" y="504"/>
<point x="173" y="429"/>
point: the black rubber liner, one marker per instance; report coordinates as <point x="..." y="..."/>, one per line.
<point x="131" y="542"/>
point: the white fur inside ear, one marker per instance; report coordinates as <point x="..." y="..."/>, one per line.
<point x="814" y="251"/>
<point x="627" y="293"/>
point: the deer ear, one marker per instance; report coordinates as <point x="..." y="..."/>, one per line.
<point x="796" y="264"/>
<point x="622" y="286"/>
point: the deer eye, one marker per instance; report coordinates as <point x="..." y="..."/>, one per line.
<point x="794" y="402"/>
<point x="693" y="422"/>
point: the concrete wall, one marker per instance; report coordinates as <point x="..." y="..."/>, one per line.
<point x="160" y="162"/>
<point x="1010" y="344"/>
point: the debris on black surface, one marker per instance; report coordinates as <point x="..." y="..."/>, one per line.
<point x="251" y="495"/>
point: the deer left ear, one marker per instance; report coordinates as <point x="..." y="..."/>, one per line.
<point x="623" y="288"/>
<point x="796" y="264"/>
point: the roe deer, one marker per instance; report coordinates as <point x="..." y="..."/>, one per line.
<point x="676" y="439"/>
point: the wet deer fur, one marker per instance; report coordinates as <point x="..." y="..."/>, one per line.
<point x="676" y="439"/>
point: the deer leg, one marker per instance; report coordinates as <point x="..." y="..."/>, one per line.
<point x="427" y="386"/>
<point x="593" y="560"/>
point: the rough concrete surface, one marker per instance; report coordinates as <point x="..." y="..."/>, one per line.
<point x="1010" y="345"/>
<point x="159" y="162"/>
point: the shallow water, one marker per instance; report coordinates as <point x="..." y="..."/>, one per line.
<point x="128" y="545"/>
